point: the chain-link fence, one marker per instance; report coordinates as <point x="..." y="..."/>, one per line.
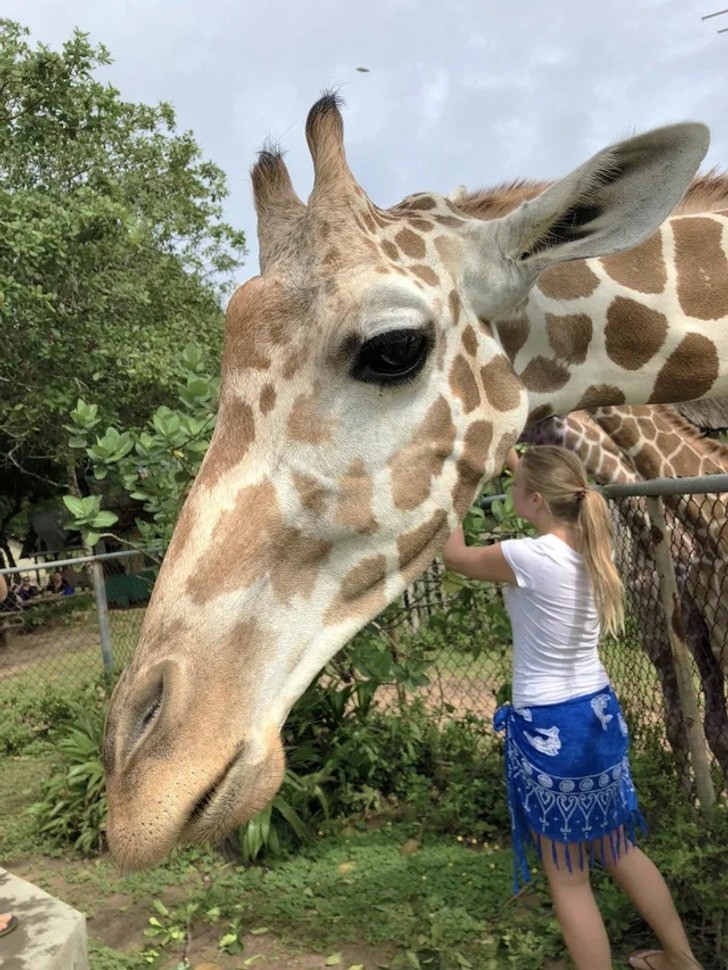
<point x="69" y="622"/>
<point x="669" y="668"/>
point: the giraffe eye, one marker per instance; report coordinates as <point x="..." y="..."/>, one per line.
<point x="392" y="358"/>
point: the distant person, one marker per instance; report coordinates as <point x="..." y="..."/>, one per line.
<point x="26" y="590"/>
<point x="58" y="584"/>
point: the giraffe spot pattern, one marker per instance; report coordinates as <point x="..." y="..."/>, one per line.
<point x="423" y="457"/>
<point x="390" y="249"/>
<point x="306" y="424"/>
<point x="599" y="394"/>
<point x="539" y="413"/>
<point x="234" y="434"/>
<point x="471" y="464"/>
<point x="470" y="341"/>
<point x="463" y="384"/>
<point x="311" y="495"/>
<point x="634" y="333"/>
<point x="568" y="281"/>
<point x="354" y="506"/>
<point x="411" y="244"/>
<point x="689" y="372"/>
<point x="512" y="335"/>
<point x="415" y="548"/>
<point x="267" y="399"/>
<point x="542" y="375"/>
<point x="454" y="304"/>
<point x="702" y="267"/>
<point x="500" y="384"/>
<point x="641" y="268"/>
<point x="569" y="336"/>
<point x="297" y="559"/>
<point x="235" y="557"/>
<point x="425" y="273"/>
<point x="361" y="592"/>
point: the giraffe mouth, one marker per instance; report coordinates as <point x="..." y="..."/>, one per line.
<point x="215" y="812"/>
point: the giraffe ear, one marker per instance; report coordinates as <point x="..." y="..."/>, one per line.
<point x="610" y="203"/>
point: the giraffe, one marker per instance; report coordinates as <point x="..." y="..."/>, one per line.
<point x="374" y="374"/>
<point x="626" y="445"/>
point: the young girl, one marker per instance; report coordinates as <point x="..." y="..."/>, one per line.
<point x="569" y="783"/>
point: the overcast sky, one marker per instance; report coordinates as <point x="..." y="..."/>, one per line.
<point x="471" y="91"/>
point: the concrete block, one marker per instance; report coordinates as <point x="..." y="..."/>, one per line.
<point x="50" y="935"/>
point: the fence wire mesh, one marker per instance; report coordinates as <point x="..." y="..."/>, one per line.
<point x="456" y="636"/>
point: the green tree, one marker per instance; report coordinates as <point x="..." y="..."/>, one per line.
<point x="113" y="250"/>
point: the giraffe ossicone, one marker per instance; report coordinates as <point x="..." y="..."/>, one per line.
<point x="374" y="375"/>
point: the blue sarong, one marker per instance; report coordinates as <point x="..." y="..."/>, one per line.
<point x="568" y="775"/>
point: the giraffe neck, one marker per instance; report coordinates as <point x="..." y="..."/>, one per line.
<point x="647" y="326"/>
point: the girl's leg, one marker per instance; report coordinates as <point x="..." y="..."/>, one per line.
<point x="641" y="880"/>
<point x="575" y="906"/>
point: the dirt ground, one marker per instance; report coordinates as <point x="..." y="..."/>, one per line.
<point x="118" y="921"/>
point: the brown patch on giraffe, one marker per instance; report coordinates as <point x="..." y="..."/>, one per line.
<point x="598" y="395"/>
<point x="292" y="365"/>
<point x="361" y="592"/>
<point x="423" y="457"/>
<point x="312" y="496"/>
<point x="542" y="375"/>
<point x="641" y="268"/>
<point x="628" y="434"/>
<point x="512" y="335"/>
<point x="355" y="503"/>
<point x="422" y="225"/>
<point x="415" y="548"/>
<point x="570" y="336"/>
<point x="455" y="305"/>
<point x="411" y="244"/>
<point x="502" y="387"/>
<point x="486" y="326"/>
<point x="470" y="341"/>
<point x="702" y="267"/>
<point x="682" y="458"/>
<point x="451" y="222"/>
<point x="507" y="441"/>
<point x="389" y="249"/>
<point x="450" y="252"/>
<point x="471" y="464"/>
<point x="267" y="398"/>
<point x="463" y="384"/>
<point x="422" y="203"/>
<point x="649" y="461"/>
<point x="234" y="434"/>
<point x="369" y="222"/>
<point x="183" y="529"/>
<point x="539" y="413"/>
<point x="236" y="556"/>
<point x="568" y="281"/>
<point x="306" y="424"/>
<point x="689" y="372"/>
<point x="297" y="558"/>
<point x="634" y="333"/>
<point x="426" y="274"/>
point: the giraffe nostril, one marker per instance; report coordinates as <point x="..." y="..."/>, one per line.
<point x="149" y="710"/>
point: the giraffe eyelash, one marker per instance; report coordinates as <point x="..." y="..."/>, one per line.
<point x="393" y="358"/>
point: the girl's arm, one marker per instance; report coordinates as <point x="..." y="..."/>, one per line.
<point x="481" y="562"/>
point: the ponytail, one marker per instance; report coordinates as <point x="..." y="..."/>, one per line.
<point x="596" y="544"/>
<point x="560" y="477"/>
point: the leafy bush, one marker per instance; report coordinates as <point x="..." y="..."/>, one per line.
<point x="72" y="810"/>
<point x="29" y="715"/>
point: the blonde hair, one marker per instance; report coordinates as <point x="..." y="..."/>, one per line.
<point x="560" y="478"/>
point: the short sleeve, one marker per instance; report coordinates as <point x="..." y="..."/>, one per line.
<point x="521" y="558"/>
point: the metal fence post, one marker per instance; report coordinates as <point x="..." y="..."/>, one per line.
<point x="102" y="612"/>
<point x="681" y="655"/>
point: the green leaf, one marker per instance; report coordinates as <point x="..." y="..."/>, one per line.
<point x="333" y="960"/>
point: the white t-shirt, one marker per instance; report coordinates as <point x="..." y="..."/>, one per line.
<point x="555" y="622"/>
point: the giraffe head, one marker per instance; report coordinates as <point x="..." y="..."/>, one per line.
<point x="365" y="398"/>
